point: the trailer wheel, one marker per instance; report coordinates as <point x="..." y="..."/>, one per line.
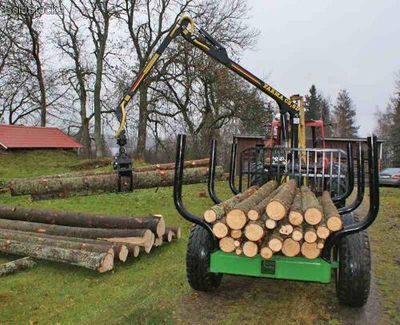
<point x="353" y="275"/>
<point x="200" y="245"/>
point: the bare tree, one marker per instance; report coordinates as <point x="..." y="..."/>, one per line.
<point x="70" y="39"/>
<point x="99" y="15"/>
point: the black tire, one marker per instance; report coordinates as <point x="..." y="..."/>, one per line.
<point x="200" y="245"/>
<point x="353" y="276"/>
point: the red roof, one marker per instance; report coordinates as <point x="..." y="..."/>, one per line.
<point x="26" y="137"/>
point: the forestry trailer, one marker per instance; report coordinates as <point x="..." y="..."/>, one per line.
<point x="250" y="243"/>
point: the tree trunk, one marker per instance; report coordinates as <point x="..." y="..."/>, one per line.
<point x="282" y="201"/>
<point x="142" y="127"/>
<point x="79" y="219"/>
<point x="120" y="251"/>
<point x="237" y="217"/>
<point x="143" y="241"/>
<point x="102" y="262"/>
<point x="91" y="233"/>
<point x="311" y="207"/>
<point x="17" y="265"/>
<point x="169" y="166"/>
<point x="75" y="186"/>
<point x="219" y="210"/>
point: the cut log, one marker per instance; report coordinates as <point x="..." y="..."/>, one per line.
<point x="237" y="243"/>
<point x="256" y="212"/>
<point x="275" y="241"/>
<point x="120" y="251"/>
<point x="266" y="253"/>
<point x="280" y="204"/>
<point x="227" y="244"/>
<point x="323" y="231"/>
<point x="220" y="228"/>
<point x="158" y="242"/>
<point x="285" y="228"/>
<point x="296" y="211"/>
<point x="332" y="216"/>
<point x="102" y="262"/>
<point x="17" y="265"/>
<point x="168" y="166"/>
<point x="133" y="250"/>
<point x="254" y="230"/>
<point x="310" y="235"/>
<point x="175" y="230"/>
<point x="80" y="232"/>
<point x="250" y="249"/>
<point x="270" y="224"/>
<point x="310" y="250"/>
<point x="236" y="234"/>
<point x="220" y="210"/>
<point x="146" y="243"/>
<point x="75" y="186"/>
<point x="320" y="243"/>
<point x="297" y="234"/>
<point x="311" y="207"/>
<point x="239" y="251"/>
<point x="167" y="237"/>
<point x="237" y="217"/>
<point x="291" y="247"/>
<point x="155" y="223"/>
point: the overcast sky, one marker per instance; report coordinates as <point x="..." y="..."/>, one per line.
<point x="332" y="44"/>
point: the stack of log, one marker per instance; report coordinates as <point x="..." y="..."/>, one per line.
<point x="97" y="182"/>
<point x="88" y="240"/>
<point x="274" y="219"/>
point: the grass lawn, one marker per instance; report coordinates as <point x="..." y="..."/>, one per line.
<point x="153" y="288"/>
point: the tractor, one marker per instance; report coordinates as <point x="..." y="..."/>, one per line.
<point x="346" y="253"/>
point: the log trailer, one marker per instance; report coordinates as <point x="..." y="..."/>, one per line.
<point x="346" y="253"/>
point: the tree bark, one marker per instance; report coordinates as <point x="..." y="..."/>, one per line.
<point x="219" y="210"/>
<point x="17" y="265"/>
<point x="79" y="232"/>
<point x="79" y="219"/>
<point x="75" y="186"/>
<point x="120" y="251"/>
<point x="280" y="204"/>
<point x="102" y="262"/>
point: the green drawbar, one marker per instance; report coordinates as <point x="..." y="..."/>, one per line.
<point x="278" y="267"/>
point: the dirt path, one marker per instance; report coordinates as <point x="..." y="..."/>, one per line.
<point x="253" y="300"/>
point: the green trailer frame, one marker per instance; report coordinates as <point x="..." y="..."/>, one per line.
<point x="278" y="267"/>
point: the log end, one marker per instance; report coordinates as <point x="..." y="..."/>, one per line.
<point x="210" y="216"/>
<point x="107" y="262"/>
<point x="275" y="244"/>
<point x="266" y="253"/>
<point x="295" y="218"/>
<point x="160" y="230"/>
<point x="236" y="219"/>
<point x="135" y="251"/>
<point x="313" y="216"/>
<point x="275" y="210"/>
<point x="310" y="236"/>
<point x="236" y="234"/>
<point x="323" y="232"/>
<point x="334" y="223"/>
<point x="220" y="230"/>
<point x="270" y="224"/>
<point x="123" y="253"/>
<point x="297" y="234"/>
<point x="253" y="215"/>
<point x="291" y="247"/>
<point x="310" y="250"/>
<point x="254" y="232"/>
<point x="250" y="249"/>
<point x="227" y="244"/>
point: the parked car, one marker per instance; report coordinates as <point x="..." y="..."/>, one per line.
<point x="390" y="176"/>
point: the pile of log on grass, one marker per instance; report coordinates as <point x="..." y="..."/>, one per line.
<point x="92" y="241"/>
<point x="97" y="182"/>
<point x="274" y="219"/>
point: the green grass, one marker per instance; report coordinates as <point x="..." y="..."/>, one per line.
<point x="153" y="288"/>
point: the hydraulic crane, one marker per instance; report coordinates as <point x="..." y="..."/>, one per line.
<point x="289" y="110"/>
